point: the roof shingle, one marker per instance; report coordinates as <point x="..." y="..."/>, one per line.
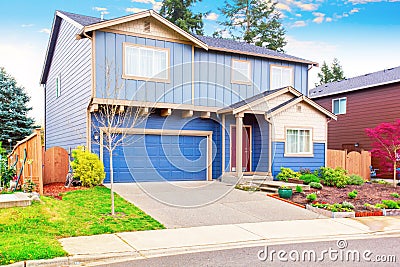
<point x="357" y="83"/>
<point x="81" y="19"/>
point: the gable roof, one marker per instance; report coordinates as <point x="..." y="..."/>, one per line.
<point x="249" y="49"/>
<point x="267" y="95"/>
<point x="88" y="24"/>
<point x="369" y="80"/>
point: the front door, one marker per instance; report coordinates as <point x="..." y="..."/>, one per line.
<point x="246" y="148"/>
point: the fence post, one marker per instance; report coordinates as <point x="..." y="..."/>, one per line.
<point x="39" y="160"/>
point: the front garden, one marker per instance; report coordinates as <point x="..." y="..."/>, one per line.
<point x="334" y="190"/>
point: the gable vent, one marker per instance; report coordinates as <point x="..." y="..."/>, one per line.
<point x="147" y="27"/>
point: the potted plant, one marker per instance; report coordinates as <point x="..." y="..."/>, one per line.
<point x="285" y="192"/>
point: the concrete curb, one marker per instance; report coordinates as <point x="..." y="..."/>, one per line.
<point x="95" y="259"/>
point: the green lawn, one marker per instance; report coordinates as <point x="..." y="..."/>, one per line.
<point x="31" y="232"/>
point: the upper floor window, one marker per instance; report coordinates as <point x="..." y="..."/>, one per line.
<point x="58" y="86"/>
<point x="298" y="141"/>
<point x="147" y="63"/>
<point x="241" y="71"/>
<point x="339" y="105"/>
<point x="281" y="77"/>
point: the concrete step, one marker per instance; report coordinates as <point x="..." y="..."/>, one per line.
<point x="277" y="184"/>
<point x="269" y="189"/>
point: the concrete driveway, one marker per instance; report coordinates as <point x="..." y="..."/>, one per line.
<point x="189" y="204"/>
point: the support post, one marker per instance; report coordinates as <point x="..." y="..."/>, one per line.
<point x="223" y="144"/>
<point x="239" y="138"/>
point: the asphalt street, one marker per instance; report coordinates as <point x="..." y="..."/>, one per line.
<point x="361" y="252"/>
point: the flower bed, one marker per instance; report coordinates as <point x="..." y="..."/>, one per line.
<point x="331" y="214"/>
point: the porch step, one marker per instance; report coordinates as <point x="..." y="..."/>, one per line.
<point x="268" y="189"/>
<point x="256" y="180"/>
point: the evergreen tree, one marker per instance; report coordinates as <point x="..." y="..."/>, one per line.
<point x="255" y="22"/>
<point x="330" y="74"/>
<point x="179" y="13"/>
<point x="15" y="124"/>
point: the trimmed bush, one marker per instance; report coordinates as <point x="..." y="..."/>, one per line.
<point x="311" y="197"/>
<point x="352" y="194"/>
<point x="315" y="185"/>
<point x="333" y="177"/>
<point x="309" y="178"/>
<point x="299" y="189"/>
<point x="87" y="167"/>
<point x="391" y="204"/>
<point x="287" y="173"/>
<point x="355" y="180"/>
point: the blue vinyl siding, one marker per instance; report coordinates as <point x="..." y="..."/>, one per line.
<point x="296" y="163"/>
<point x="109" y="53"/>
<point x="66" y="115"/>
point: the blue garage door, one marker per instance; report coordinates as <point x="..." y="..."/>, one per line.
<point x="160" y="158"/>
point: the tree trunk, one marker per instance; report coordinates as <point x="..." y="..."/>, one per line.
<point x="112" y="181"/>
<point x="394" y="173"/>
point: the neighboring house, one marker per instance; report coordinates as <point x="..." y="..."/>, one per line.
<point x="198" y="90"/>
<point x="360" y="102"/>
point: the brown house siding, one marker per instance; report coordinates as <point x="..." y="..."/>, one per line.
<point x="366" y="108"/>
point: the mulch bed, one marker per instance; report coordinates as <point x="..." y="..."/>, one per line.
<point x="57" y="189"/>
<point x="367" y="193"/>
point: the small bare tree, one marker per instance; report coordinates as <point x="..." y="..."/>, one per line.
<point x="113" y="121"/>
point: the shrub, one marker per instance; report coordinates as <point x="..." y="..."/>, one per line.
<point x="395" y="195"/>
<point x="332" y="177"/>
<point x="347" y="205"/>
<point x="311" y="197"/>
<point x="355" y="180"/>
<point x="6" y="173"/>
<point x="299" y="189"/>
<point x="309" y="178"/>
<point x="353" y="194"/>
<point x="287" y="173"/>
<point x="315" y="185"/>
<point x="87" y="167"/>
<point x="28" y="186"/>
<point x="380" y="206"/>
<point x="391" y="204"/>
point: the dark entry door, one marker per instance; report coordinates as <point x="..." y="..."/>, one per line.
<point x="246" y="148"/>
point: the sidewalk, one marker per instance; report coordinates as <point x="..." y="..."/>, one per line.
<point x="143" y="244"/>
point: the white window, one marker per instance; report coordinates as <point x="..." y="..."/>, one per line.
<point x="146" y="63"/>
<point x="298" y="141"/>
<point x="339" y="105"/>
<point x="58" y="86"/>
<point x="241" y="71"/>
<point x="281" y="77"/>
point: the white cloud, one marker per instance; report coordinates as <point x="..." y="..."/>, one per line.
<point x="355" y="2"/>
<point x="100" y="8"/>
<point x="354" y="10"/>
<point x="27" y="25"/>
<point x="134" y="9"/>
<point x="306" y="6"/>
<point x="299" y="23"/>
<point x="144" y="1"/>
<point x="157" y="6"/>
<point x="298" y="15"/>
<point x="282" y="6"/>
<point x="45" y="30"/>
<point x="328" y="19"/>
<point x="212" y="16"/>
<point x="319" y="17"/>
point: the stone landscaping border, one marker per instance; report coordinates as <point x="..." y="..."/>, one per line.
<point x="331" y="214"/>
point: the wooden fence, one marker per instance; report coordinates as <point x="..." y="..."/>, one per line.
<point x="354" y="162"/>
<point x="32" y="146"/>
<point x="55" y="165"/>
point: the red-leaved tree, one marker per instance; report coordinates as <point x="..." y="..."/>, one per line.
<point x="386" y="144"/>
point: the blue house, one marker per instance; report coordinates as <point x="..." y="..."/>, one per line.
<point x="212" y="104"/>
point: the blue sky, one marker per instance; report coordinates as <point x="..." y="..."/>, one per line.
<point x="363" y="34"/>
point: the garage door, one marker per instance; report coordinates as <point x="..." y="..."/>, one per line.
<point x="160" y="158"/>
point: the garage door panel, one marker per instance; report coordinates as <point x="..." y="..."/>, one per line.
<point x="159" y="158"/>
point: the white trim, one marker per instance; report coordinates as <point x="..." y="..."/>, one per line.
<point x="299" y="154"/>
<point x="133" y="131"/>
<point x="69" y="20"/>
<point x="333" y="107"/>
<point x="140" y="15"/>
